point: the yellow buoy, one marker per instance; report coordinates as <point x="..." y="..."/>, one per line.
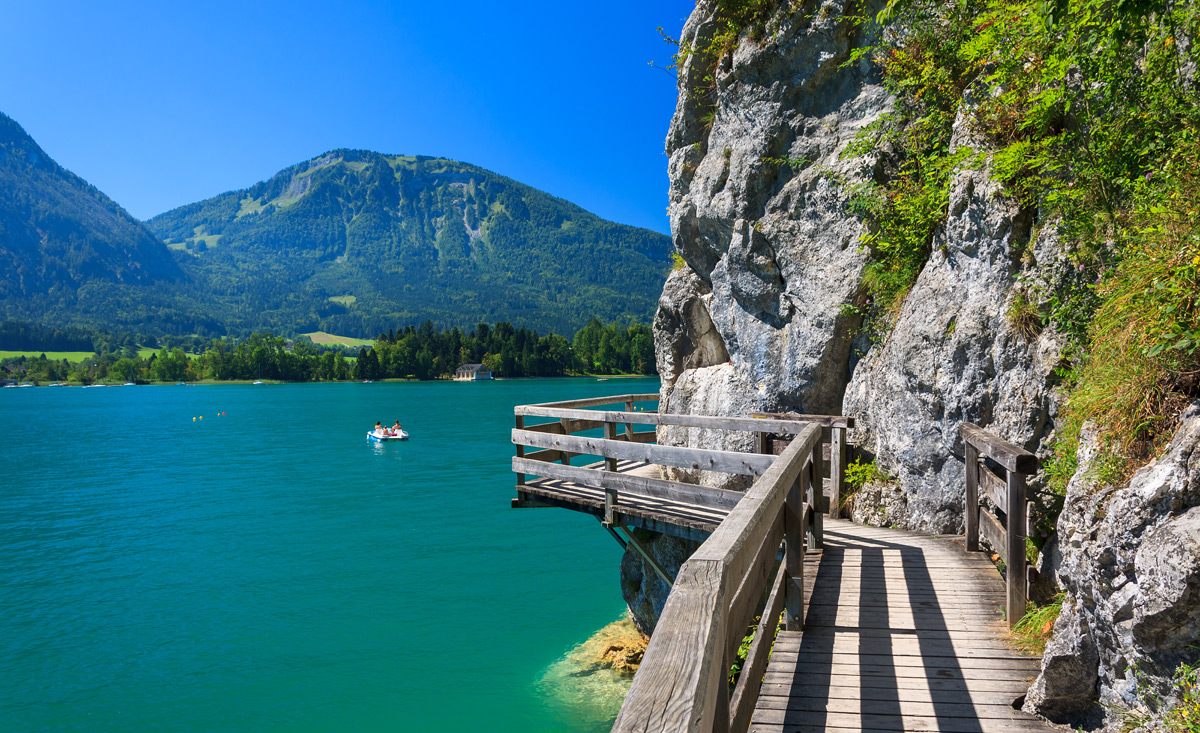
<point x="193" y="419"/>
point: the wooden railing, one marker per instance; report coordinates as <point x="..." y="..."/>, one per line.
<point x="1003" y="527"/>
<point x="682" y="684"/>
<point x="737" y="574"/>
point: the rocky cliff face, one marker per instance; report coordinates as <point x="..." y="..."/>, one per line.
<point x="953" y="356"/>
<point x="758" y="320"/>
<point x="758" y="192"/>
<point x="1130" y="565"/>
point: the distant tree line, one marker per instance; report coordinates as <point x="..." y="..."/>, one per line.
<point x="424" y="352"/>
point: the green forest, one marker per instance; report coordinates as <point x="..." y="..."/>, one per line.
<point x="422" y="352"/>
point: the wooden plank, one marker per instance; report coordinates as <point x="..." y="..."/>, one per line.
<point x="825" y="421"/>
<point x="992" y="531"/>
<point x="1012" y="691"/>
<point x="941" y="709"/>
<point x="992" y="486"/>
<point x="749" y="595"/>
<point x="667" y="521"/>
<point x="864" y="722"/>
<point x="746" y="464"/>
<point x="746" y="693"/>
<point x="712" y="422"/>
<point x="1009" y="455"/>
<point x="892" y="685"/>
<point x="591" y="402"/>
<point x="674" y="689"/>
<point x="646" y="486"/>
<point x="546" y="456"/>
<point x="573" y="426"/>
<point x="812" y="660"/>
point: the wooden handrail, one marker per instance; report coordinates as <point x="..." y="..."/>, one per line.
<point x="1005" y="534"/>
<point x="595" y="401"/>
<point x="681" y="684"/>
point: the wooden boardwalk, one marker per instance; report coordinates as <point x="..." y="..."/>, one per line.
<point x="902" y="632"/>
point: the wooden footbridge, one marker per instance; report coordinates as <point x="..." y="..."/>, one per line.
<point x="882" y="630"/>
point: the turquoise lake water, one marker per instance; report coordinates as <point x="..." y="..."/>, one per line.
<point x="267" y="568"/>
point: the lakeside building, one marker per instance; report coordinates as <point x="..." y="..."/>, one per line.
<point x="472" y="373"/>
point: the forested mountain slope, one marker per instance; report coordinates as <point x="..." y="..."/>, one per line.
<point x="357" y="242"/>
<point x="58" y="233"/>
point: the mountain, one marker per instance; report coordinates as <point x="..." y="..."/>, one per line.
<point x="58" y="234"/>
<point x="356" y="242"/>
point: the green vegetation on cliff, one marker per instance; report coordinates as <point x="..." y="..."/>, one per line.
<point x="1090" y="114"/>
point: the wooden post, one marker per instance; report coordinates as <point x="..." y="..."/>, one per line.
<point x="837" y="469"/>
<point x="761" y="443"/>
<point x="721" y="714"/>
<point x="610" y="507"/>
<point x="610" y="432"/>
<point x="566" y="424"/>
<point x="794" y="534"/>
<point x="629" y="425"/>
<point x="971" y="503"/>
<point x="520" y="448"/>
<point x="1015" y="562"/>
<point x="817" y="492"/>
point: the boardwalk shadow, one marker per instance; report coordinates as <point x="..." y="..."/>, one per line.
<point x="879" y="649"/>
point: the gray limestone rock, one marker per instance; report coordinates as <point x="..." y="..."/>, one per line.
<point x="953" y="356"/>
<point x="1130" y="564"/>
<point x="643" y="590"/>
<point x="758" y="211"/>
<point x="1066" y="689"/>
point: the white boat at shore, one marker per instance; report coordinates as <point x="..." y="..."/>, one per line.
<point x="380" y="436"/>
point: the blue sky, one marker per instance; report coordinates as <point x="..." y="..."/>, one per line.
<point x="160" y="104"/>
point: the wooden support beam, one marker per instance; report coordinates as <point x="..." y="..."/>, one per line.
<point x="610" y="432"/>
<point x="1015" y="569"/>
<point x="612" y="531"/>
<point x="816" y="492"/>
<point x="647" y="558"/>
<point x="520" y="424"/>
<point x="795" y="529"/>
<point x="971" y="503"/>
<point x="646" y="486"/>
<point x="610" y="507"/>
<point x="837" y="469"/>
<point x="695" y="458"/>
